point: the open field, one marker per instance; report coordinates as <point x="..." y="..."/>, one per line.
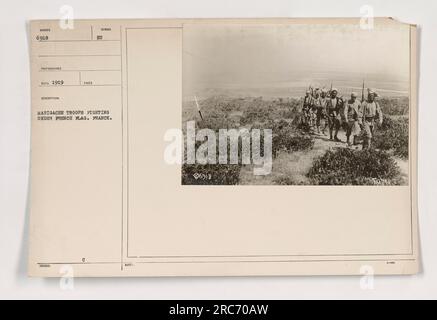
<point x="300" y="157"/>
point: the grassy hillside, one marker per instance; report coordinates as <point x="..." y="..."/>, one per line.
<point x="283" y="117"/>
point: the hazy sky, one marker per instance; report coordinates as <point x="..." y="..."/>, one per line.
<point x="244" y="56"/>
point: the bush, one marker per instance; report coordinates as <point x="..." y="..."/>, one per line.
<point x="352" y="167"/>
<point x="285" y="181"/>
<point x="395" y="105"/>
<point x="291" y="110"/>
<point x="257" y="113"/>
<point x="393" y="134"/>
<point x="286" y="138"/>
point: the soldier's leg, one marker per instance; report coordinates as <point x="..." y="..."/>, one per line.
<point x="331" y="126"/>
<point x="337" y="126"/>
<point x="313" y="120"/>
<point x="348" y="132"/>
<point x="319" y="116"/>
<point x="355" y="132"/>
<point x="326" y="123"/>
<point x="365" y="142"/>
<point x="367" y="135"/>
<point x="310" y="117"/>
<point x="304" y="116"/>
<point x="371" y="127"/>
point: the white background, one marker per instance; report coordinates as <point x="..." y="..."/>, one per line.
<point x="15" y="137"/>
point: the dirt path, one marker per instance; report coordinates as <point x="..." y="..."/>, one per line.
<point x="292" y="167"/>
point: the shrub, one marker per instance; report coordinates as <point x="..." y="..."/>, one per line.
<point x="286" y="138"/>
<point x="215" y="123"/>
<point x="355" y="167"/>
<point x="395" y="105"/>
<point x="291" y="110"/>
<point x="393" y="134"/>
<point x="285" y="181"/>
<point x="256" y="113"/>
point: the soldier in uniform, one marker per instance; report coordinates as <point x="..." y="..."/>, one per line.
<point x="352" y="118"/>
<point x="307" y="102"/>
<point x="321" y="112"/>
<point x="315" y="104"/>
<point x="333" y="107"/>
<point x="371" y="113"/>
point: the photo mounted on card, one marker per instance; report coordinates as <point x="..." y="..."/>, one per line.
<point x="306" y="104"/>
<point x="223" y="147"/>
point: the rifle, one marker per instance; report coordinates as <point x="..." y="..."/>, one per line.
<point x="362" y="93"/>
<point x="198" y="107"/>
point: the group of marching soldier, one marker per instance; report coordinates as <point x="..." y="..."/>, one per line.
<point x="323" y="109"/>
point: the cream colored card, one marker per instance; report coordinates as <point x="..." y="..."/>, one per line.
<point x="109" y="98"/>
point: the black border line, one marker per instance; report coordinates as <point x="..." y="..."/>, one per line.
<point x="122" y="152"/>
<point x="225" y="261"/>
<point x="248" y="256"/>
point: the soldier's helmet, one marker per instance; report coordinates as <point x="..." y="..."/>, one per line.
<point x="353" y="95"/>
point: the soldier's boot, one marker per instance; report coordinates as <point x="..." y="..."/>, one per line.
<point x="336" y="136"/>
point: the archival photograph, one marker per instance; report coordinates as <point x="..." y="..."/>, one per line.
<point x="296" y="104"/>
